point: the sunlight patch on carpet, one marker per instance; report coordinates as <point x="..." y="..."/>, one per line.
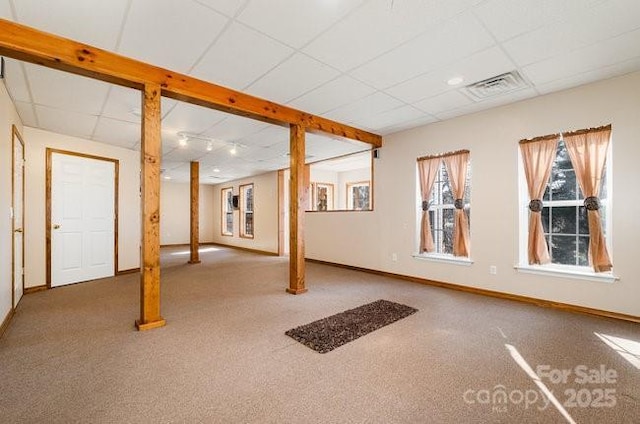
<point x="329" y="333"/>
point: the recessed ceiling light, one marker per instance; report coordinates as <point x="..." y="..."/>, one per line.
<point x="209" y="146"/>
<point x="455" y="81"/>
<point x="216" y="170"/>
<point x="233" y="150"/>
<point x="167" y="177"/>
<point x="183" y="141"/>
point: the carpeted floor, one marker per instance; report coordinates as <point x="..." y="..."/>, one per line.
<point x="71" y="354"/>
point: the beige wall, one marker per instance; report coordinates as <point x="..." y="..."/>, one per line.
<point x="369" y="239"/>
<point x="175" y="213"/>
<point x="8" y="117"/>
<point x="37" y="142"/>
<point x="265" y="198"/>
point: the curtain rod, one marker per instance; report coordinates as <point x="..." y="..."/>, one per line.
<point x="566" y="134"/>
<point x="442" y="155"/>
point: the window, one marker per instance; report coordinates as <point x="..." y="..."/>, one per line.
<point x="569" y="208"/>
<point x="564" y="217"/>
<point x="442" y="210"/>
<point x="322" y="197"/>
<point x="246" y="210"/>
<point x="358" y="196"/>
<point x="227" y="211"/>
<point x="444" y="200"/>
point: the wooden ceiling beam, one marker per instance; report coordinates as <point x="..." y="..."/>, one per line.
<point x="34" y="46"/>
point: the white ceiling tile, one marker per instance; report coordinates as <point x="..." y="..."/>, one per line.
<point x="170" y="34"/>
<point x="439" y="46"/>
<point x="66" y="122"/>
<point x="228" y="166"/>
<point x="5" y="10"/>
<point x="171" y="142"/>
<point x="93" y="22"/>
<point x="590" y="76"/>
<point x="391" y="117"/>
<point x="605" y="20"/>
<point x="227" y="7"/>
<point x="234" y="128"/>
<point x="191" y="118"/>
<point x="420" y="87"/>
<point x="348" y="163"/>
<point x="119" y="133"/>
<point x="15" y="81"/>
<point x="333" y="94"/>
<point x="482" y="65"/>
<point x="262" y="154"/>
<point x="125" y="104"/>
<point x="425" y="120"/>
<point x="488" y="104"/>
<point x="27" y="114"/>
<point x="240" y="56"/>
<point x="608" y="52"/>
<point x="168" y="165"/>
<point x="304" y="19"/>
<point x="267" y="137"/>
<point x="367" y="106"/>
<point x="377" y="27"/>
<point x="292" y="78"/>
<point x="509" y="18"/>
<point x="443" y="102"/>
<point x="63" y="90"/>
<point x="183" y="155"/>
<point x="319" y="147"/>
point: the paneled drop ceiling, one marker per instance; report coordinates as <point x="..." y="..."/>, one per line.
<point x="380" y="65"/>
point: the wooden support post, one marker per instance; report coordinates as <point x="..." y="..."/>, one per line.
<point x="297" y="205"/>
<point x="281" y="212"/>
<point x="150" y="204"/>
<point x="195" y="206"/>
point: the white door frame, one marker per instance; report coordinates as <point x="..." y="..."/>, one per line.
<point x="49" y="223"/>
<point x="16" y="139"/>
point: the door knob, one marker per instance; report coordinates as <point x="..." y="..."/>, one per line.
<point x="56" y="226"/>
<point x="18" y="230"/>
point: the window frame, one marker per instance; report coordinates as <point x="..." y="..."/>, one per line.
<point x="581" y="272"/>
<point x="224" y="211"/>
<point x="244" y="188"/>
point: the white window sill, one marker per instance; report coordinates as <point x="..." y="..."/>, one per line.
<point x="450" y="259"/>
<point x="568" y="272"/>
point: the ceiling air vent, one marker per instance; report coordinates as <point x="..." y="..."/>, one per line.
<point x="495" y="86"/>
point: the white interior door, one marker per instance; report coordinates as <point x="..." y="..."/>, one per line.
<point x="18" y="218"/>
<point x="82" y="219"/>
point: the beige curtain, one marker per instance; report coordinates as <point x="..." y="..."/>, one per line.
<point x="588" y="152"/>
<point x="537" y="158"/>
<point x="427" y="169"/>
<point x="457" y="169"/>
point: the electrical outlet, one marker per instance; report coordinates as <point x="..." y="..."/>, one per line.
<point x="394" y="257"/>
<point x="493" y="270"/>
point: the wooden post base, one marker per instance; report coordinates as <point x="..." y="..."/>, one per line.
<point x="194" y="262"/>
<point x="150" y="325"/>
<point x="296" y="291"/>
